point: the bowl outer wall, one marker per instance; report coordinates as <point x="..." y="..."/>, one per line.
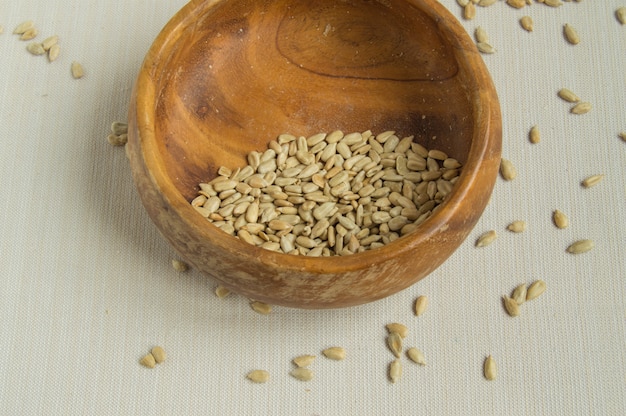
<point x="297" y="281"/>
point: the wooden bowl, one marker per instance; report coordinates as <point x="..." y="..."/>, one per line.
<point x="223" y="78"/>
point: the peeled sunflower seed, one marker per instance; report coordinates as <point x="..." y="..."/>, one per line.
<point x="507" y="170"/>
<point x="487" y="3"/>
<point x="421" y="303"/>
<point x="148" y="361"/>
<point x="535" y="289"/>
<point x="568" y="95"/>
<point x="621" y="15"/>
<point x="560" y="219"/>
<point x="395" y="370"/>
<point x="592" y="180"/>
<point x="489" y="368"/>
<point x="484" y="47"/>
<point x="481" y="35"/>
<point x="581" y="108"/>
<point x="517" y="226"/>
<point x="486" y="239"/>
<point x="570" y="34"/>
<point x="304" y="360"/>
<point x="527" y="23"/>
<point x="258" y="376"/>
<point x="518" y="4"/>
<point x="221" y="292"/>
<point x="469" y="11"/>
<point x="35" y="48"/>
<point x="623" y="136"/>
<point x="416" y="356"/>
<point x="261" y="307"/>
<point x="400" y="329"/>
<point x="23" y="27"/>
<point x="534" y="135"/>
<point x="553" y="3"/>
<point x="302" y="374"/>
<point x="519" y="294"/>
<point x="77" y="70"/>
<point x="49" y="42"/>
<point x="159" y="354"/>
<point x="335" y="353"/>
<point x="180" y="266"/>
<point x="394" y="342"/>
<point x="53" y="52"/>
<point x="29" y="34"/>
<point x="511" y="306"/>
<point x="581" y="246"/>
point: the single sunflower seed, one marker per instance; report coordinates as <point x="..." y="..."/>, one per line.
<point x="484" y="47"/>
<point x="304" y="360"/>
<point x="77" y="70"/>
<point x="399" y="329"/>
<point x="507" y="170"/>
<point x="395" y="370"/>
<point x="49" y="42"/>
<point x="518" y="4"/>
<point x="560" y="219"/>
<point x="527" y="23"/>
<point x="486" y="238"/>
<point x="534" y="135"/>
<point x="221" y="292"/>
<point x="553" y="3"/>
<point x="511" y="306"/>
<point x="261" y="307"/>
<point x="180" y="266"/>
<point x="581" y="108"/>
<point x="462" y="3"/>
<point x="394" y="342"/>
<point x="622" y="136"/>
<point x="29" y="34"/>
<point x="581" y="246"/>
<point x="159" y="354"/>
<point x="535" y="289"/>
<point x="570" y="34"/>
<point x="335" y="353"/>
<point x="148" y="361"/>
<point x="592" y="180"/>
<point x="568" y="95"/>
<point x="416" y="356"/>
<point x="517" y="226"/>
<point x="53" y="52"/>
<point x="23" y="27"/>
<point x="519" y="294"/>
<point x="302" y="374"/>
<point x="35" y="48"/>
<point x="489" y="368"/>
<point x="487" y="3"/>
<point x="621" y="15"/>
<point x="421" y="303"/>
<point x="258" y="376"/>
<point x="481" y="35"/>
<point x="469" y="11"/>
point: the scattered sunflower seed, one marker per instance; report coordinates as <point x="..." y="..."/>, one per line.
<point x="114" y="140"/>
<point x="261" y="307"/>
<point x="534" y="135"/>
<point x="221" y="292"/>
<point x="519" y="294"/>
<point x="511" y="306"/>
<point x="53" y="52"/>
<point x="621" y="15"/>
<point x="518" y="4"/>
<point x="489" y="369"/>
<point x="416" y="356"/>
<point x="517" y="226"/>
<point x="394" y="342"/>
<point x="486" y="238"/>
<point x="304" y="360"/>
<point x="484" y="47"/>
<point x="527" y="23"/>
<point x="400" y="329"/>
<point x="570" y="34"/>
<point x="180" y="266"/>
<point x="335" y="353"/>
<point x="481" y="35"/>
<point x="77" y="70"/>
<point x="159" y="354"/>
<point x="581" y="246"/>
<point x="535" y="289"/>
<point x="50" y="42"/>
<point x="462" y="3"/>
<point x="581" y="108"/>
<point x="118" y="128"/>
<point x="553" y="3"/>
<point x="258" y="376"/>
<point x="148" y="361"/>
<point x="592" y="180"/>
<point x="421" y="303"/>
<point x="29" y="34"/>
<point x="302" y="374"/>
<point x="568" y="95"/>
<point x="469" y="11"/>
<point x="507" y="170"/>
<point x="23" y="27"/>
<point x="560" y="219"/>
<point x="35" y="48"/>
<point x="487" y="3"/>
<point x="1" y="29"/>
<point x="395" y="370"/>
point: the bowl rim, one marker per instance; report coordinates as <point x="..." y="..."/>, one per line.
<point x="486" y="140"/>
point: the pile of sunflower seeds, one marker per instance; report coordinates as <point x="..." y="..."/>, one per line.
<point x="329" y="194"/>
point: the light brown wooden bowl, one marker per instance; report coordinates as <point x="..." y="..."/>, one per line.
<point x="225" y="77"/>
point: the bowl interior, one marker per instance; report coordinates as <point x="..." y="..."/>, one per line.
<point x="238" y="73"/>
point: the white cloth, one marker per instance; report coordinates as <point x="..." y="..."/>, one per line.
<point x="87" y="288"/>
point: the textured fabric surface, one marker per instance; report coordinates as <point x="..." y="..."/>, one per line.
<point x="87" y="287"/>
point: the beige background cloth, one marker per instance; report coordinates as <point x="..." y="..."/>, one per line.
<point x="87" y="287"/>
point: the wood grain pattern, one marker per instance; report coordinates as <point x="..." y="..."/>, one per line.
<point x="225" y="77"/>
